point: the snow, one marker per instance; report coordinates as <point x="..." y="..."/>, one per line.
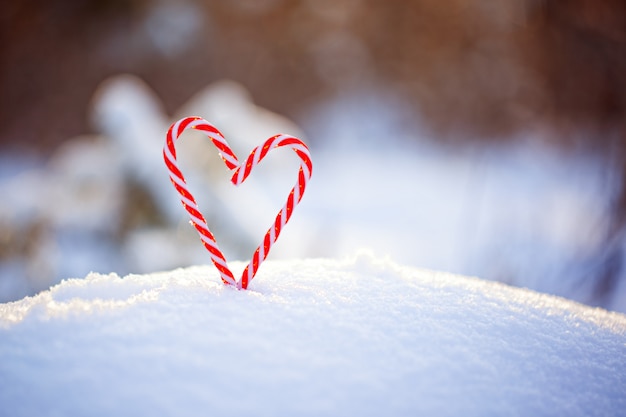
<point x="356" y="336"/>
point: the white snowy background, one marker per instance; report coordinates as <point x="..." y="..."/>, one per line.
<point x="524" y="214"/>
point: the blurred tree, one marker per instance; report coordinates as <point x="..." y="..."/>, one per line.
<point x="578" y="54"/>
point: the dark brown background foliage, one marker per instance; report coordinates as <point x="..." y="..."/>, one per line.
<point x="474" y="69"/>
<point x="477" y="71"/>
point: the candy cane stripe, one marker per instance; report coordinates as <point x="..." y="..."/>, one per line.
<point x="241" y="171"/>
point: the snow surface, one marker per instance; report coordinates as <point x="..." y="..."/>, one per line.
<point x="361" y="336"/>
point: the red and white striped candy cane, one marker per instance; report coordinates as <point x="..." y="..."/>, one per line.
<point x="241" y="172"/>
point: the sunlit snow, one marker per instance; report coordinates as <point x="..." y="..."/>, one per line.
<point x="359" y="336"/>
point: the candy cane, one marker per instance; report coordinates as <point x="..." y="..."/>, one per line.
<point x="240" y="173"/>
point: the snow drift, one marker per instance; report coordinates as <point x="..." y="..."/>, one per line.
<point x="361" y="336"/>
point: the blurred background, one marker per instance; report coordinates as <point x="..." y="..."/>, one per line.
<point x="477" y="137"/>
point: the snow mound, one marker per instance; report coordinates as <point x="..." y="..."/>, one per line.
<point x="356" y="337"/>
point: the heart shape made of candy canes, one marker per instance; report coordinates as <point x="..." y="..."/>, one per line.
<point x="241" y="171"/>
